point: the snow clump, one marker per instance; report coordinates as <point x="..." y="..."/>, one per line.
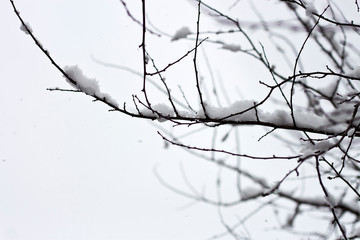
<point x="181" y="33"/>
<point x="86" y="85"/>
<point x="26" y="29"/>
<point x="241" y="110"/>
<point x="231" y="47"/>
<point x="310" y="149"/>
<point x="161" y="111"/>
<point x="251" y="192"/>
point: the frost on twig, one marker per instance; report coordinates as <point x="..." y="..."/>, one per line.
<point x="86" y="85"/>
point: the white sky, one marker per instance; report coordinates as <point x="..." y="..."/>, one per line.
<point x="71" y="170"/>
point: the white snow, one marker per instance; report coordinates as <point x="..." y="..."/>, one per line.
<point x="165" y="110"/>
<point x="279" y="117"/>
<point x="231" y="47"/>
<point x="181" y="33"/>
<point x="86" y="84"/>
<point x="236" y="107"/>
<point x="309" y="149"/>
<point x="242" y="111"/>
<point x="23" y="28"/>
<point x="344" y="113"/>
<point x="83" y="83"/>
<point x="305" y="119"/>
<point x="161" y="112"/>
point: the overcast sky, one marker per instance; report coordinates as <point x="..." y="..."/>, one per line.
<point x="69" y="169"/>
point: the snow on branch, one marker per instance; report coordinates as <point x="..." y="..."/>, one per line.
<point x="26" y="28"/>
<point x="85" y="84"/>
<point x="181" y="33"/>
<point x="232" y="47"/>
